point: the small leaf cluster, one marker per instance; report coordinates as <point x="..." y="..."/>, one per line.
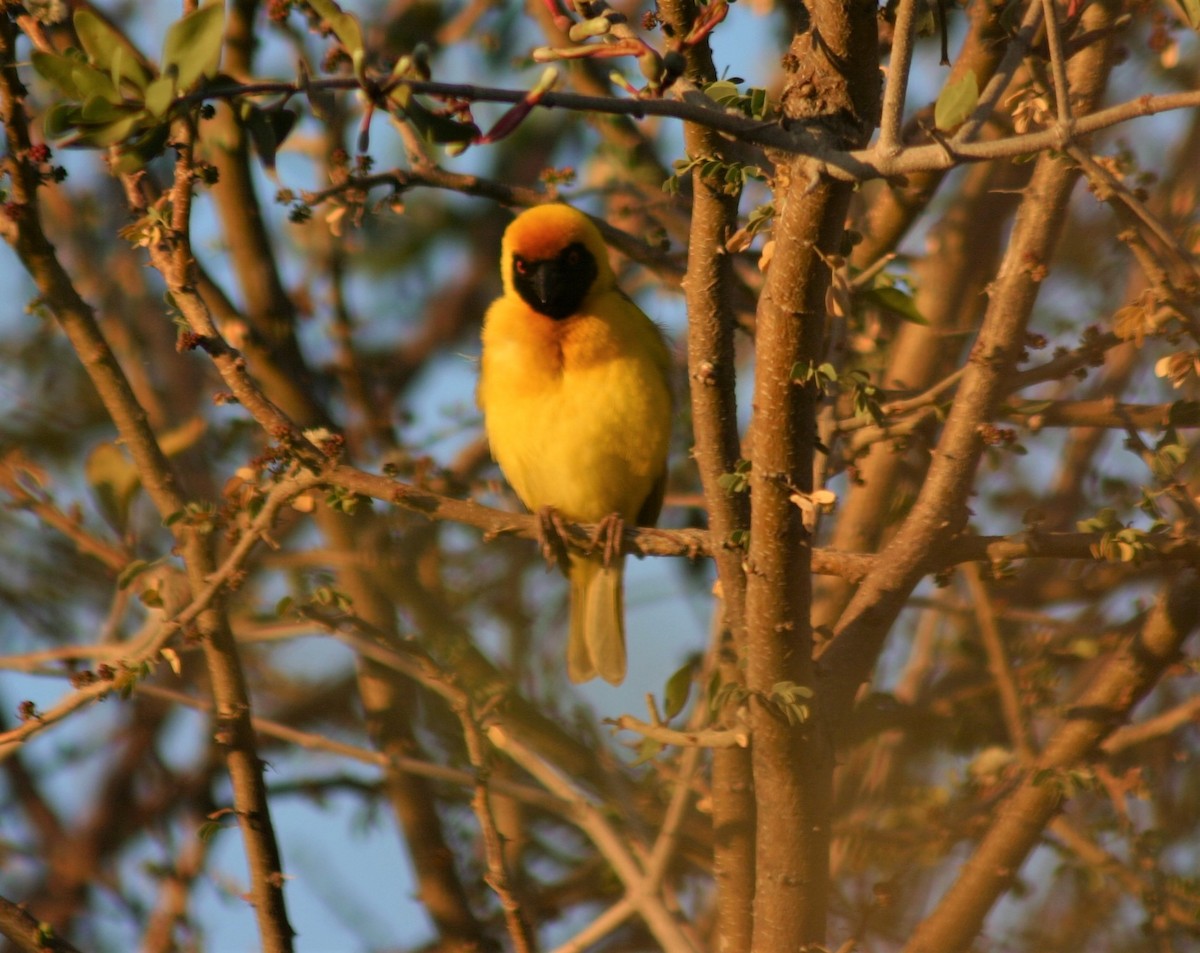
<point x="1119" y="542"/>
<point x="753" y="103"/>
<point x="113" y="96"/>
<point x="199" y="516"/>
<point x="1069" y="782"/>
<point x="722" y="694"/>
<point x="1170" y="453"/>
<point x="760" y="217"/>
<point x="436" y="126"/>
<point x="727" y="177"/>
<point x="791" y="701"/>
<point x="865" y="397"/>
<point x="341" y="500"/>
<point x="738" y="481"/>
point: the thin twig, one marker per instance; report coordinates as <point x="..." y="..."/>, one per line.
<point x="593" y="822"/>
<point x="1014" y="59"/>
<point x="1002" y="675"/>
<point x="903" y="34"/>
<point x="315" y="742"/>
<point x="853" y="165"/>
<point x="154" y="638"/>
<point x="704" y="738"/>
<point x="498" y="877"/>
<point x="1058" y="67"/>
<point x="1185" y="713"/>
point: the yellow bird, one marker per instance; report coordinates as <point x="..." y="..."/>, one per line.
<point x="574" y="387"/>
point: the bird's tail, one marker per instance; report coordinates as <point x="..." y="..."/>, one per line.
<point x="596" y="645"/>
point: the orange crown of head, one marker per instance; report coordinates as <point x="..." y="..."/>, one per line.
<point x="542" y="232"/>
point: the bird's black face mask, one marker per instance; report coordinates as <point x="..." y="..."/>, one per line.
<point x="555" y="286"/>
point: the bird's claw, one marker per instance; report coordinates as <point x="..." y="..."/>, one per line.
<point x="551" y="532"/>
<point x="608" y="537"/>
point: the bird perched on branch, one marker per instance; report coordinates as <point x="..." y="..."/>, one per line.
<point x="574" y="387"/>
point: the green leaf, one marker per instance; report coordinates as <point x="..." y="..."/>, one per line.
<point x="648" y="750"/>
<point x="758" y="102"/>
<point x="897" y="301"/>
<point x="144" y="147"/>
<point x="151" y="598"/>
<point x="956" y="102"/>
<point x="91" y="82"/>
<point x="128" y="69"/>
<point x="159" y="96"/>
<point x="131" y="572"/>
<point x="1191" y="9"/>
<point x="60" y="119"/>
<point x="721" y="91"/>
<point x="74" y="78"/>
<point x="677" y="689"/>
<point x="207" y="831"/>
<point x="193" y="46"/>
<point x="344" y="25"/>
<point x="268" y="129"/>
<point x="57" y="70"/>
<point x="436" y="128"/>
<point x="108" y="49"/>
<point x="113" y="132"/>
<point x="114" y="481"/>
<point x="100" y="111"/>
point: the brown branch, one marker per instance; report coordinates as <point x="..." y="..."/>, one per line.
<point x="832" y="80"/>
<point x="1073" y="841"/>
<point x="388" y="702"/>
<point x="697" y="543"/>
<point x="315" y="742"/>
<point x="892" y="213"/>
<point x="592" y="820"/>
<point x="940" y="509"/>
<point x="112" y="555"/>
<point x="1058" y="68"/>
<point x="704" y="738"/>
<point x="1184" y="714"/>
<point x="665" y="266"/>
<point x="948" y="285"/>
<point x="903" y="35"/>
<point x="846" y="165"/>
<point x="712" y="383"/>
<point x="27" y="933"/>
<point x="1111" y="695"/>
<point x="1001" y="672"/>
<point x="1105" y="413"/>
<point x="520" y="931"/>
<point x="78" y="322"/>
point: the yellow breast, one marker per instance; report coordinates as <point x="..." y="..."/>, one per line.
<point x="578" y="411"/>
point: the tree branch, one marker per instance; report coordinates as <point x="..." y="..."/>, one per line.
<point x="1109" y="698"/>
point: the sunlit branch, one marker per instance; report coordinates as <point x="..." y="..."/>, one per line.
<point x="703" y="738"/>
<point x="853" y="165"/>
<point x="153" y="641"/>
<point x="903" y="34"/>
<point x="312" y="741"/>
<point x="592" y="821"/>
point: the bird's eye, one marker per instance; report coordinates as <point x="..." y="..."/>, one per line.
<point x="521" y="266"/>
<point x="573" y="256"/>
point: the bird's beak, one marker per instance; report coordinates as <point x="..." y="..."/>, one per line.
<point x="545" y="281"/>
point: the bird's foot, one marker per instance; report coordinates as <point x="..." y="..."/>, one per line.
<point x="608" y="537"/>
<point x="551" y="531"/>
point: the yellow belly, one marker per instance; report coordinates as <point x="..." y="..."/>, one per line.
<point x="578" y="412"/>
